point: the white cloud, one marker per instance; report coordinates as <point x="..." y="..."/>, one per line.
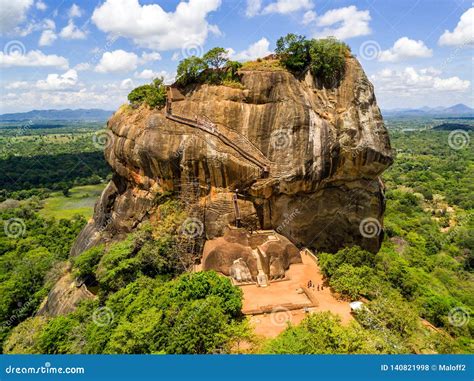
<point x="175" y="56"/>
<point x="93" y="97"/>
<point x="344" y="23"/>
<point x="72" y="32"/>
<point x="463" y="34"/>
<point x="49" y="24"/>
<point x="147" y="74"/>
<point x="287" y="6"/>
<point x="117" y="61"/>
<point x="411" y="82"/>
<point x="82" y="66"/>
<point x="309" y="17"/>
<point x="74" y="11"/>
<point x="58" y="81"/>
<point x="151" y="27"/>
<point x="47" y="38"/>
<point x="12" y="14"/>
<point x="17" y="85"/>
<point x="127" y="84"/>
<point x="31" y="59"/>
<point x="148" y="57"/>
<point x="253" y="7"/>
<point x="256" y="50"/>
<point x="40" y="5"/>
<point x="150" y="74"/>
<point x="405" y="48"/>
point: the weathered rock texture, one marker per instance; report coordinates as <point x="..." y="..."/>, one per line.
<point x="64" y="297"/>
<point x="235" y="254"/>
<point x="326" y="147"/>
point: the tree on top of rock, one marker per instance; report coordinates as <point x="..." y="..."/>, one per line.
<point x="216" y="58"/>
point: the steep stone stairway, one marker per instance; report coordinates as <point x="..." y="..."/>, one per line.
<point x="230" y="138"/>
<point x="270" y="171"/>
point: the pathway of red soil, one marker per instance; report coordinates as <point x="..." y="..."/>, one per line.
<point x="280" y="293"/>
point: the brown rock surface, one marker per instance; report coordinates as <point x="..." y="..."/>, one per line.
<point x="326" y="147"/>
<point x="64" y="297"/>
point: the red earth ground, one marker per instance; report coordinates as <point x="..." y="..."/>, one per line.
<point x="279" y="294"/>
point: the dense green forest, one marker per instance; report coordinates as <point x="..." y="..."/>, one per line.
<point x="36" y="159"/>
<point x="418" y="290"/>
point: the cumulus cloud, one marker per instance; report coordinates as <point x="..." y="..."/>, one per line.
<point x="151" y="27"/>
<point x="74" y="11"/>
<point x="49" y="24"/>
<point x="13" y="13"/>
<point x="82" y="66"/>
<point x="55" y="82"/>
<point x="256" y="50"/>
<point x="31" y="59"/>
<point x="127" y="84"/>
<point x="344" y="23"/>
<point x="287" y="6"/>
<point x="47" y="38"/>
<point x="17" y="85"/>
<point x="72" y="32"/>
<point x="463" y="34"/>
<point x="40" y="5"/>
<point x="254" y="7"/>
<point x="93" y="97"/>
<point x="309" y="17"/>
<point x="117" y="61"/>
<point x="405" y="48"/>
<point x="148" y="57"/>
<point x="411" y="81"/>
<point x="147" y="74"/>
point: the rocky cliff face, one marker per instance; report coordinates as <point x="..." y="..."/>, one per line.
<point x="324" y="150"/>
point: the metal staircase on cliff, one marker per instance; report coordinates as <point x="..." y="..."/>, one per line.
<point x="231" y="138"/>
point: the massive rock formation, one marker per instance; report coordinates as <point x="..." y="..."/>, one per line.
<point x="321" y="151"/>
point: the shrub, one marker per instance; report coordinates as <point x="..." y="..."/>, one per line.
<point x="325" y="57"/>
<point x="216" y="58"/>
<point x="86" y="263"/>
<point x="354" y="256"/>
<point x="154" y="94"/>
<point x="189" y="70"/>
<point x="328" y="59"/>
<point x="293" y="51"/>
<point x="319" y="333"/>
<point x="353" y="282"/>
<point x="214" y="67"/>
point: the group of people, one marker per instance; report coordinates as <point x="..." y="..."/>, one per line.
<point x="311" y="286"/>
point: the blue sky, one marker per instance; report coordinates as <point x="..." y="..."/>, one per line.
<point x="82" y="54"/>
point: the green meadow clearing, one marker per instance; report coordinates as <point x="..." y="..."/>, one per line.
<point x="80" y="201"/>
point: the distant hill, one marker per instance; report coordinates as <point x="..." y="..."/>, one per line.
<point x="66" y="114"/>
<point x="453" y="126"/>
<point x="460" y="110"/>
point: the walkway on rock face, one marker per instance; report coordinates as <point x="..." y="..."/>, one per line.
<point x="229" y="137"/>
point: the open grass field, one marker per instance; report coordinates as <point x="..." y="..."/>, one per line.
<point x="80" y="201"/>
